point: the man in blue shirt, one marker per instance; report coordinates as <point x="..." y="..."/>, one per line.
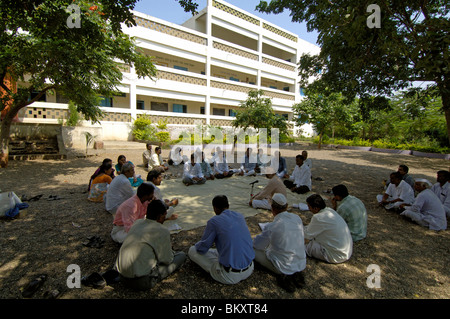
<point x="232" y="259"/>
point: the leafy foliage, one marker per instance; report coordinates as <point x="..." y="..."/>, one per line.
<point x="257" y="112"/>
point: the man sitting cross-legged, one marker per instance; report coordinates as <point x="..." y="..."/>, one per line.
<point x="280" y="247"/>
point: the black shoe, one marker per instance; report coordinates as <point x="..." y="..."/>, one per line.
<point x="111" y="276"/>
<point x="33" y="286"/>
<point x="286" y="282"/>
<point x="299" y="279"/>
<point x="94" y="280"/>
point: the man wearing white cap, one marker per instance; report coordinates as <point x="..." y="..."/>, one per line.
<point x="263" y="199"/>
<point x="427" y="209"/>
<point x="280" y="247"/>
<point x="442" y="189"/>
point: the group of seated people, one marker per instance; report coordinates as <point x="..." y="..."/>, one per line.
<point x="429" y="208"/>
<point x="226" y="249"/>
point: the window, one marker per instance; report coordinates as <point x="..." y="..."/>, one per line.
<point x="231" y="112"/>
<point x="158" y="106"/>
<point x="106" y="101"/>
<point x="234" y="79"/>
<point x="202" y="110"/>
<point x="219" y="112"/>
<point x="180" y="68"/>
<point x="179" y="108"/>
<point x="140" y="105"/>
<point x="286" y="88"/>
<point x="273" y="87"/>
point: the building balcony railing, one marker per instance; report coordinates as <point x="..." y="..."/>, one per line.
<point x="159" y="27"/>
<point x="176" y="76"/>
<point x="234" y="50"/>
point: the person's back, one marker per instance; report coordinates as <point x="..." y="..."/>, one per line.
<point x="353" y="211"/>
<point x="146" y="244"/>
<point x="330" y="230"/>
<point x="119" y="191"/>
<point x="233" y="238"/>
<point x="287" y="248"/>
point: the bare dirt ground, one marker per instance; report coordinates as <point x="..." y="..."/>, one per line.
<point x="49" y="235"/>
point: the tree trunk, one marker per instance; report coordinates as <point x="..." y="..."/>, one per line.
<point x="5" y="133"/>
<point x="446" y="106"/>
<point x="4" y="140"/>
<point x="320" y="140"/>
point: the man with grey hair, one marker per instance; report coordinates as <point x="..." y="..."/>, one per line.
<point x="120" y="189"/>
<point x="427" y="209"/>
<point x="280" y="247"/>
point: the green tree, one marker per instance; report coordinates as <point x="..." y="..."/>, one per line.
<point x="42" y="45"/>
<point x="357" y="59"/>
<point x="257" y="112"/>
<point x="323" y="111"/>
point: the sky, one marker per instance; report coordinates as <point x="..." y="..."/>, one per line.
<point x="170" y="10"/>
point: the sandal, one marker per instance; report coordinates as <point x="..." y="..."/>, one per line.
<point x="34" y="285"/>
<point x="94" y="280"/>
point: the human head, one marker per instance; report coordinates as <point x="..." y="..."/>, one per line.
<point x="149" y="146"/>
<point x="121" y="159"/>
<point x="154" y="176"/>
<point x="279" y="203"/>
<point x="106" y="168"/>
<point x="299" y="160"/>
<point x="421" y="184"/>
<point x="193" y="159"/>
<point x="107" y="160"/>
<point x="145" y="192"/>
<point x="396" y="178"/>
<point x="340" y="191"/>
<point x="127" y="169"/>
<point x="220" y="203"/>
<point x="156" y="210"/>
<point x="443" y="177"/>
<point x="305" y="154"/>
<point x="315" y="203"/>
<point x="403" y="169"/>
<point x="269" y="171"/>
<point x="157" y="149"/>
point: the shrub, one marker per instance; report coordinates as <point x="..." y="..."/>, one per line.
<point x="162" y="136"/>
<point x="143" y="128"/>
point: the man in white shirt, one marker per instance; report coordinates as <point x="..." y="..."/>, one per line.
<point x="154" y="178"/>
<point x="156" y="161"/>
<point x="248" y="166"/>
<point x="427" y="209"/>
<point x="328" y="234"/>
<point x="192" y="172"/>
<point x="120" y="189"/>
<point x="397" y="193"/>
<point x="280" y="247"/>
<point x="147" y="155"/>
<point x="221" y="169"/>
<point x="442" y="190"/>
<point x="300" y="180"/>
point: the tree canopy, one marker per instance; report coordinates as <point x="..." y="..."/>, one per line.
<point x="257" y="112"/>
<point x="73" y="47"/>
<point x="411" y="44"/>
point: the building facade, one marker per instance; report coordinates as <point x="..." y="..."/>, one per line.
<point x="206" y="67"/>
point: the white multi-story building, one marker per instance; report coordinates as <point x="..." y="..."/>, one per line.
<point x="206" y="67"/>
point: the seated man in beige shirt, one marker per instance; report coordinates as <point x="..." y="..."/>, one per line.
<point x="263" y="199"/>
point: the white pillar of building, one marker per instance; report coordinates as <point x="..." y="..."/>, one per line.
<point x="133" y="101"/>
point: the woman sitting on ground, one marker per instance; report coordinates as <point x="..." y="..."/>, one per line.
<point x="136" y="180"/>
<point x="100" y="183"/>
<point x="105" y="161"/>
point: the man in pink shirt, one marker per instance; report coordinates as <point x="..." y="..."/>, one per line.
<point x="131" y="210"/>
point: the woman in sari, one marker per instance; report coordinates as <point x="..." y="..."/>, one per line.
<point x="100" y="183"/>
